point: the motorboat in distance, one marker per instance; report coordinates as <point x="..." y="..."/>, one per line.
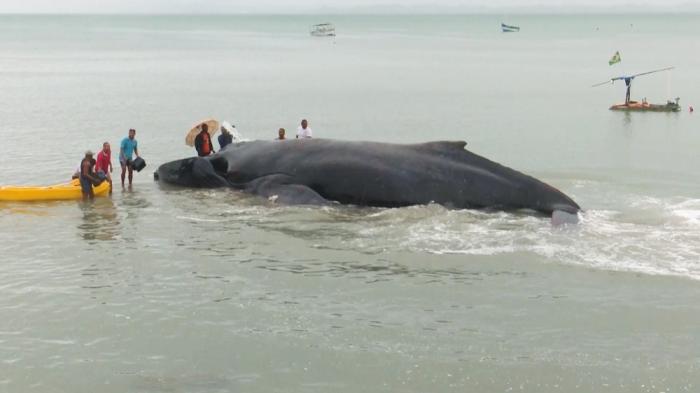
<point x="322" y="30"/>
<point x="509" y="28"/>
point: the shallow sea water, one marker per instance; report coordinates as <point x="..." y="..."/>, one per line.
<point x="175" y="290"/>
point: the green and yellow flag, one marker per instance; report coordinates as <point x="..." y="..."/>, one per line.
<point x="615" y="59"/>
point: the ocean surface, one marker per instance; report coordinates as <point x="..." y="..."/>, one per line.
<point x="178" y="290"/>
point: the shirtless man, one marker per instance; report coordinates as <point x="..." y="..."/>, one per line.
<point x="87" y="175"/>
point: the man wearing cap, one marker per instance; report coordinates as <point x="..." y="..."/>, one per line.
<point x="87" y="176"/>
<point x="127" y="149"/>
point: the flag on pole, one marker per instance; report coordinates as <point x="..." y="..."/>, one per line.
<point x="615" y="59"/>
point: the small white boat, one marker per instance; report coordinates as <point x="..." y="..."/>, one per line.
<point x="322" y="30"/>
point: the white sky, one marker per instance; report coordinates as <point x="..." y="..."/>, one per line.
<point x="285" y="6"/>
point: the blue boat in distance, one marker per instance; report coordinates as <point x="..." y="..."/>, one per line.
<point x="509" y="29"/>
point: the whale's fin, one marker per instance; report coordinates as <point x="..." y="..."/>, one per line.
<point x="190" y="172"/>
<point x="205" y="175"/>
<point x="279" y="189"/>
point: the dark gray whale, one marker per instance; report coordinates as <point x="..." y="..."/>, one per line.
<point x="317" y="171"/>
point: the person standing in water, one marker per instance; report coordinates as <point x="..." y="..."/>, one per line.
<point x="304" y="131"/>
<point x="87" y="176"/>
<point x="104" y="163"/>
<point x="280" y="134"/>
<point x="127" y="149"/>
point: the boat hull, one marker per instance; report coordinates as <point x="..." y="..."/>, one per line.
<point x="509" y="29"/>
<point x="322" y="30"/>
<point x="634" y="106"/>
<point x="58" y="192"/>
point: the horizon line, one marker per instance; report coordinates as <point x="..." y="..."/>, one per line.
<point x="558" y="11"/>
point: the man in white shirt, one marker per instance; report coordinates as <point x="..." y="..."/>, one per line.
<point x="304" y="131"/>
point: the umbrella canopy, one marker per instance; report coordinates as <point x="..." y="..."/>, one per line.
<point x="212" y="128"/>
<point x="231" y="129"/>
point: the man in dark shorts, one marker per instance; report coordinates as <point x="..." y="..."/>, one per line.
<point x="87" y="175"/>
<point x="127" y="149"/>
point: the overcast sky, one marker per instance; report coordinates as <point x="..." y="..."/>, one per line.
<point x="287" y="6"/>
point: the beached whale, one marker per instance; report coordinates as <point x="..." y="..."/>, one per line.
<point x="320" y="171"/>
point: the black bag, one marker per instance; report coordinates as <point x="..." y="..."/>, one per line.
<point x="138" y="164"/>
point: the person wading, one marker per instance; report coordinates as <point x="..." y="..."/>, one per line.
<point x="104" y="164"/>
<point x="127" y="149"/>
<point x="87" y="176"/>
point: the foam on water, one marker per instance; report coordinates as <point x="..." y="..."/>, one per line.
<point x="604" y="239"/>
<point x="666" y="241"/>
<point x="650" y="236"/>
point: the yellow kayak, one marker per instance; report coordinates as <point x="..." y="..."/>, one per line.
<point x="58" y="192"/>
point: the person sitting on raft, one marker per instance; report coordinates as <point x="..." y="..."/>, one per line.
<point x="203" y="142"/>
<point x="87" y="175"/>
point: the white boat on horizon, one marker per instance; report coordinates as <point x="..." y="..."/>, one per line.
<point x="322" y="30"/>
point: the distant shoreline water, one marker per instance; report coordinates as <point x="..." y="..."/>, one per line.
<point x="504" y="14"/>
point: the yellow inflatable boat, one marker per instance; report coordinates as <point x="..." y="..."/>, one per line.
<point x="58" y="192"/>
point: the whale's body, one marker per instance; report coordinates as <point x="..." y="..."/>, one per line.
<point x="318" y="171"/>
